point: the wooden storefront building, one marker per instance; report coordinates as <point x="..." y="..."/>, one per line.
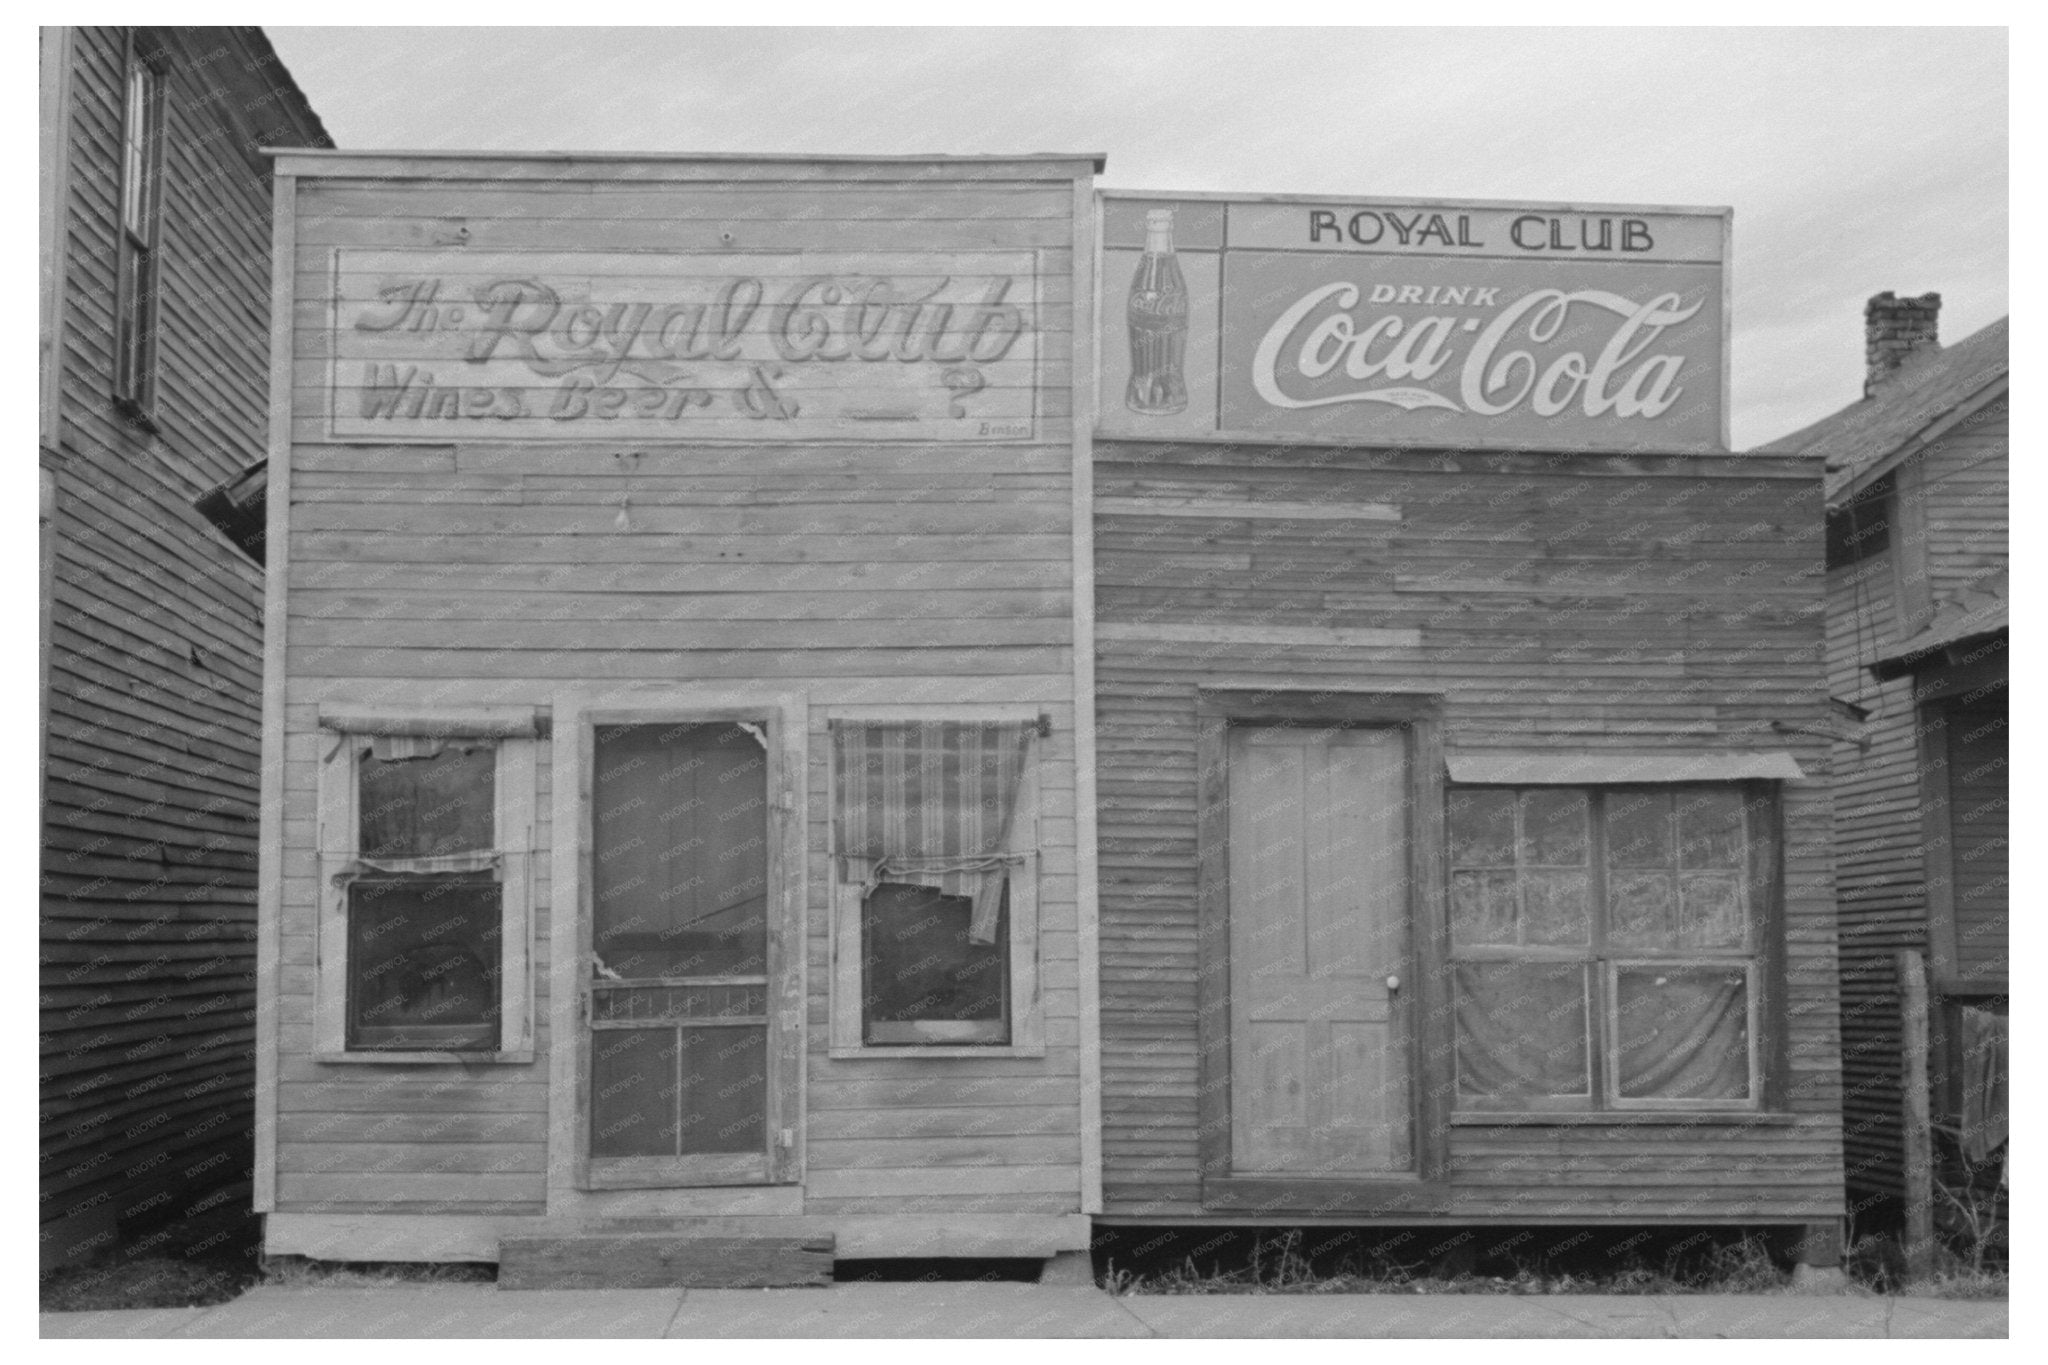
<point x="673" y="661"/>
<point x="153" y="328"/>
<point x="715" y="602"/>
<point x="1464" y="827"/>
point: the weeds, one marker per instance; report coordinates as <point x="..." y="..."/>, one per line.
<point x="1279" y="1266"/>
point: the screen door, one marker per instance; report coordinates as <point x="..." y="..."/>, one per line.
<point x="677" y="1081"/>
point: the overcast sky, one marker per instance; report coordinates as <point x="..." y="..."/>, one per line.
<point x="1856" y="160"/>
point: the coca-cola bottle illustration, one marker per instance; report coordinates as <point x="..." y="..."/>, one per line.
<point x="1159" y="324"/>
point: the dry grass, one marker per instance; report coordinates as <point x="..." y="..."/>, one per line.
<point x="1278" y="1267"/>
<point x="296" y="1272"/>
<point x="118" y="1282"/>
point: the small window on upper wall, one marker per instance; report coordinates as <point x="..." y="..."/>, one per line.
<point x="136" y="265"/>
<point x="425" y="841"/>
<point x="1860" y="527"/>
<point x="1606" y="946"/>
<point x="935" y="887"/>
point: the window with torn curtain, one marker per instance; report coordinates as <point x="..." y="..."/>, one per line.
<point x="935" y="888"/>
<point x="426" y="835"/>
<point x="1606" y="946"/>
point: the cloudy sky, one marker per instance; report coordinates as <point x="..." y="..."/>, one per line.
<point x="1856" y="160"/>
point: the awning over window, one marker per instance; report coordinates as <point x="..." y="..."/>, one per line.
<point x="1536" y="767"/>
<point x="931" y="803"/>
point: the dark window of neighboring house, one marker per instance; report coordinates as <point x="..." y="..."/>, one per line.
<point x="1861" y="527"/>
<point x="1606" y="945"/>
<point x="135" y="286"/>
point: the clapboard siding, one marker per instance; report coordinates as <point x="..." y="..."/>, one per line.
<point x="1559" y="600"/>
<point x="858" y="572"/>
<point x="1958" y="488"/>
<point x="152" y="708"/>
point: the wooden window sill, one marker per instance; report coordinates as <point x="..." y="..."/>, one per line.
<point x="1623" y="1117"/>
<point x="394" y="1058"/>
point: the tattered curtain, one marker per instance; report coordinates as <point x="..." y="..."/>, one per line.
<point x="931" y="804"/>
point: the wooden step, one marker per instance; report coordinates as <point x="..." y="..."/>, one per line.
<point x="648" y="1260"/>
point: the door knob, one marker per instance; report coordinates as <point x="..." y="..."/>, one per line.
<point x="1393" y="984"/>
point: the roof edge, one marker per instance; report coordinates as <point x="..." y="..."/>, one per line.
<point x="1098" y="159"/>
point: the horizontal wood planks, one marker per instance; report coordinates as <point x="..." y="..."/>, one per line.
<point x="1553" y="601"/>
<point x="648" y="1261"/>
<point x="148" y="838"/>
<point x="857" y="571"/>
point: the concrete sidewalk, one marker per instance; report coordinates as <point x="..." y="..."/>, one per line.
<point x="976" y="1309"/>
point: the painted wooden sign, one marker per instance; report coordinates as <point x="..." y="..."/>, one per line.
<point x="546" y="346"/>
<point x="1397" y="323"/>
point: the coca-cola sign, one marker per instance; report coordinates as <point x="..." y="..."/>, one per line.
<point x="1472" y="325"/>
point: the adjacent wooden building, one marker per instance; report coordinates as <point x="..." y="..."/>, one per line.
<point x="679" y="815"/>
<point x="1463" y="759"/>
<point x="154" y="311"/>
<point x="1917" y="523"/>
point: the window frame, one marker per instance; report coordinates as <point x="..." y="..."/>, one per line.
<point x="1762" y="958"/>
<point x="139" y="236"/>
<point x="515" y="739"/>
<point x="847" y="1032"/>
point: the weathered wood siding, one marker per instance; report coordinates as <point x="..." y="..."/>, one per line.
<point x="1949" y="529"/>
<point x="149" y="825"/>
<point x="880" y="572"/>
<point x="1564" y="601"/>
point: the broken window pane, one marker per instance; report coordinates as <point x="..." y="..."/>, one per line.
<point x="427" y="807"/>
<point x="923" y="980"/>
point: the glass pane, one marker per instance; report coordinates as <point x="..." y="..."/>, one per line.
<point x="1638" y="829"/>
<point x="1555" y="907"/>
<point x="1710" y="831"/>
<point x="427" y="807"/>
<point x="1682" y="1032"/>
<point x="1482" y="908"/>
<point x="1554" y="827"/>
<point x="725" y="1089"/>
<point x="1521" y="1029"/>
<point x="634" y="1098"/>
<point x="680" y="874"/>
<point x="1482" y="828"/>
<point x="1711" y="912"/>
<point x="423" y="962"/>
<point x="917" y="964"/>
<point x="1641" y="910"/>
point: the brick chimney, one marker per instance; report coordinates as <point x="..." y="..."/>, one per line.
<point x="1895" y="329"/>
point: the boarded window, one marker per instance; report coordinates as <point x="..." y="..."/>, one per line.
<point x="1603" y="944"/>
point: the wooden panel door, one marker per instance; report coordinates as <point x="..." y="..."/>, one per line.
<point x="1319" y="1074"/>
<point x="678" y="1082"/>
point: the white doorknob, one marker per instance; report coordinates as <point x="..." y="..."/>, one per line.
<point x="1393" y="983"/>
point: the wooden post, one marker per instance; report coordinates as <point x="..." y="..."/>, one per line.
<point x="1913" y="1114"/>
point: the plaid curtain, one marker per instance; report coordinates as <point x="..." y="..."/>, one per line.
<point x="931" y="803"/>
